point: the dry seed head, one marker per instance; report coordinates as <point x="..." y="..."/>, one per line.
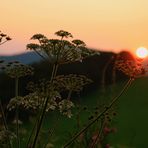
<point x="35" y="100"/>
<point x="63" y="33"/>
<point x="61" y="51"/>
<point x="33" y="46"/>
<point x="18" y="70"/>
<point x="4" y="38"/>
<point x="71" y="82"/>
<point x="65" y="107"/>
<point x="3" y="35"/>
<point x="78" y="42"/>
<point x="14" y="102"/>
<point x="38" y="37"/>
<point x="8" y="38"/>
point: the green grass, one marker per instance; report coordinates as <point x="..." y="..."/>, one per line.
<point x="132" y="119"/>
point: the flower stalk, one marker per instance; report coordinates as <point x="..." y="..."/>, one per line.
<point x="17" y="112"/>
<point x="39" y="124"/>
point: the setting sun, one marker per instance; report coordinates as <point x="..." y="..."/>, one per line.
<point x="142" y="52"/>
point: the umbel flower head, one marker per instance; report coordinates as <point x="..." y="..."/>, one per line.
<point x="4" y="38"/>
<point x="65" y="107"/>
<point x="5" y="136"/>
<point x="38" y="37"/>
<point x="78" y="42"/>
<point x="71" y="82"/>
<point x="129" y="65"/>
<point x="33" y="101"/>
<point x="63" y="34"/>
<point x="60" y="51"/>
<point x="14" y="102"/>
<point x="16" y="69"/>
<point x="39" y="91"/>
<point x="36" y="98"/>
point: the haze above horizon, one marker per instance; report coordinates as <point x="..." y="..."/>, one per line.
<point x="102" y="24"/>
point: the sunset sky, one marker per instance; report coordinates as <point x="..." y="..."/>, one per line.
<point x="101" y="24"/>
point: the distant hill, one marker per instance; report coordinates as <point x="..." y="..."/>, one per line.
<point x="26" y="58"/>
<point x="92" y="67"/>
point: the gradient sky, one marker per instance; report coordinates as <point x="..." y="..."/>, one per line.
<point x="102" y="24"/>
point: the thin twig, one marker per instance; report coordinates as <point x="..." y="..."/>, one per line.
<point x="3" y="116"/>
<point x="5" y="122"/>
<point x="3" y="42"/>
<point x="17" y="113"/>
<point x="32" y="131"/>
<point x="40" y="55"/>
<point x="98" y="135"/>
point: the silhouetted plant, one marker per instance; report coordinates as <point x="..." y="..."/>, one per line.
<point x="132" y="68"/>
<point x="4" y="38"/>
<point x="60" y="51"/>
<point x="17" y="70"/>
<point x="47" y="95"/>
<point x="57" y="52"/>
<point x="6" y="135"/>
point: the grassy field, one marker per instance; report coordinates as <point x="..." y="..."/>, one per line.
<point x="131" y="121"/>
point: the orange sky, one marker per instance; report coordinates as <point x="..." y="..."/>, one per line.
<point x="102" y="24"/>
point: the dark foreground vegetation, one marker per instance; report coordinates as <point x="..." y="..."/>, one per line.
<point x="53" y="102"/>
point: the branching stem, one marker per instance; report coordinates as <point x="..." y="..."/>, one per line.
<point x="55" y="67"/>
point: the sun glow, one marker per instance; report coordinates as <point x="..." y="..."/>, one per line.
<point x="142" y="52"/>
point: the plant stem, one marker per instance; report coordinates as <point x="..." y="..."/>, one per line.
<point x="78" y="119"/>
<point x="40" y="55"/>
<point x="55" y="67"/>
<point x="3" y="42"/>
<point x="32" y="131"/>
<point x="69" y="94"/>
<point x="17" y="112"/>
<point x="103" y="74"/>
<point x="56" y="122"/>
<point x="42" y="113"/>
<point x="5" y="122"/>
<point x="51" y="131"/>
<point x="101" y="114"/>
<point x="3" y="116"/>
<point x="98" y="135"/>
<point x="54" y="71"/>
